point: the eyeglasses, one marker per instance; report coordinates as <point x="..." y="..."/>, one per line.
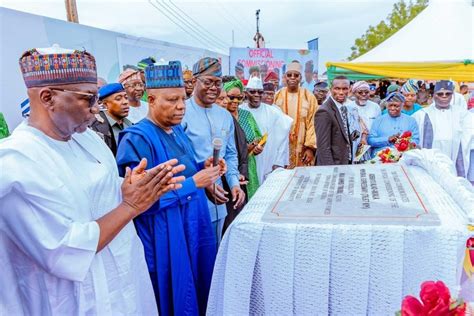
<point x="91" y="97"/>
<point x="444" y="94"/>
<point x="252" y="92"/>
<point x="364" y="92"/>
<point x="293" y="75"/>
<point x="188" y="82"/>
<point x="235" y="98"/>
<point x="134" y="85"/>
<point x="208" y="83"/>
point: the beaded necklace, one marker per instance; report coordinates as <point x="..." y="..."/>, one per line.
<point x="295" y="133"/>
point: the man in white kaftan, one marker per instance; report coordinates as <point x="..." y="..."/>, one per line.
<point x="275" y="124"/>
<point x="440" y="124"/>
<point x="67" y="244"/>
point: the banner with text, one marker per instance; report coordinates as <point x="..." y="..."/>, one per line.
<point x="260" y="61"/>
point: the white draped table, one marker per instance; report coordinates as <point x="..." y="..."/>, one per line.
<point x="309" y="268"/>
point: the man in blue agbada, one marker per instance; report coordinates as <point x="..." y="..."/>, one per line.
<point x="203" y="123"/>
<point x="180" y="245"/>
<point x="387" y="128"/>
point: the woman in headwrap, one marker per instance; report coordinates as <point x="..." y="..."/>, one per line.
<point x="246" y="135"/>
<point x="247" y="123"/>
<point x="410" y="92"/>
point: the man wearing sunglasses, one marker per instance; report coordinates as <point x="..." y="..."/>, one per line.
<point x="440" y="124"/>
<point x="301" y="105"/>
<point x="135" y="87"/>
<point x="67" y="241"/>
<point x="204" y="122"/>
<point x="272" y="122"/>
<point x="367" y="109"/>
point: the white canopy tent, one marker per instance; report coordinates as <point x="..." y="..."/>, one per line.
<point x="444" y="31"/>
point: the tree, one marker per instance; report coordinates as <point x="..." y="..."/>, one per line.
<point x="402" y="13"/>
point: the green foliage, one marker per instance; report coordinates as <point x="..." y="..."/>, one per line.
<point x="402" y="13"/>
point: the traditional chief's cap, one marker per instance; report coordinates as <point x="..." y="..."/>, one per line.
<point x="187" y="74"/>
<point x="57" y="66"/>
<point x="444" y="84"/>
<point x="207" y="66"/>
<point x="268" y="86"/>
<point x="255" y="83"/>
<point x="164" y="76"/>
<point x="271" y="76"/>
<point x="110" y="89"/>
<point x="142" y="64"/>
<point x="409" y="87"/>
<point x="360" y="85"/>
<point x="321" y="85"/>
<point x="239" y="67"/>
<point x="294" y="66"/>
<point x="128" y="75"/>
<point x="392" y="88"/>
<point x="395" y="97"/>
<point x="235" y="83"/>
<point x="253" y="69"/>
<point x="308" y="66"/>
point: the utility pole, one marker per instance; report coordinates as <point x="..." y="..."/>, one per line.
<point x="258" y="38"/>
<point x="71" y="10"/>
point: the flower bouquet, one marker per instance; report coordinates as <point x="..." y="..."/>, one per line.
<point x="401" y="144"/>
<point x="435" y="301"/>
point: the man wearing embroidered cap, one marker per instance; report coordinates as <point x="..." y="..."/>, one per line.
<point x="301" y="105"/>
<point x="134" y="86"/>
<point x="272" y="122"/>
<point x="180" y="246"/>
<point x="441" y="124"/>
<point x="203" y="123"/>
<point x="113" y="120"/>
<point x="188" y="83"/>
<point x="66" y="240"/>
<point x="387" y="128"/>
<point x="367" y="109"/>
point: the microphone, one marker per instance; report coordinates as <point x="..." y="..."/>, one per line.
<point x="216" y="145"/>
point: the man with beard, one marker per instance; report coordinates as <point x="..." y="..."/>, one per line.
<point x="274" y="123"/>
<point x="441" y="124"/>
<point x="135" y="88"/>
<point x="113" y="120"/>
<point x="188" y="83"/>
<point x="205" y="123"/>
<point x="332" y="126"/>
<point x="387" y="128"/>
<point x="367" y="109"/>
<point x="320" y="91"/>
<point x="301" y="105"/>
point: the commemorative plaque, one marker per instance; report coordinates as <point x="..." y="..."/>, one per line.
<point x="351" y="194"/>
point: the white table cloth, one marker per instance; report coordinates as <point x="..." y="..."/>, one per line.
<point x="326" y="269"/>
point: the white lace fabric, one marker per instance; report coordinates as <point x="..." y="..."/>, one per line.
<point x="324" y="269"/>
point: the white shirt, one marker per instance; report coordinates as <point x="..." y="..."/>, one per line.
<point x="136" y="114"/>
<point x="51" y="193"/>
<point x="368" y="112"/>
<point x="277" y="125"/>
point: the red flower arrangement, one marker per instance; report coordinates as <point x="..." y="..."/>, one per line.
<point x="435" y="301"/>
<point x="402" y="144"/>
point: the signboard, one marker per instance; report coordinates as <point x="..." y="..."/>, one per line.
<point x="242" y="60"/>
<point x="356" y="194"/>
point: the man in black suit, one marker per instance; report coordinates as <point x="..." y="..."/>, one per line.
<point x="331" y="122"/>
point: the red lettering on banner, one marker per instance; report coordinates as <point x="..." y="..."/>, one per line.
<point x="260" y="53"/>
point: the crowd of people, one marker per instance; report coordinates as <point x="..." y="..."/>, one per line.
<point x="114" y="201"/>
